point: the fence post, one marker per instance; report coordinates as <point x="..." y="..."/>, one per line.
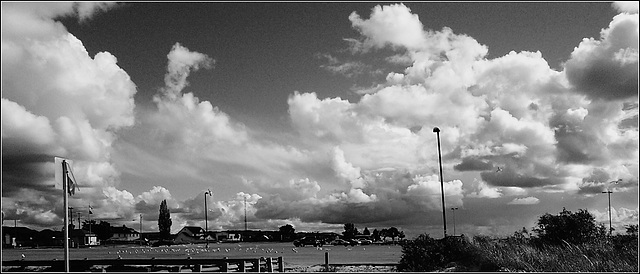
<point x="280" y="265"/>
<point x="269" y="264"/>
<point x="225" y="265"/>
<point x="243" y="266"/>
<point x="326" y="261"/>
<point x="256" y="265"/>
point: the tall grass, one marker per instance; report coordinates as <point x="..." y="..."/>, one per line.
<point x="617" y="254"/>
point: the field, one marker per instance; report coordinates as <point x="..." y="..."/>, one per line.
<point x="296" y="258"/>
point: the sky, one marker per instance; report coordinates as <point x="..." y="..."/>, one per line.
<point x="321" y="114"/>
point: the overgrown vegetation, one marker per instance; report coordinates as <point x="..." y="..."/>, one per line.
<point x="567" y="242"/>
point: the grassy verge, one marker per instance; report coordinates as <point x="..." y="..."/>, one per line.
<point x="617" y="254"/>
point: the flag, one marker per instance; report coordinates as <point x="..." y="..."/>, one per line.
<point x="71" y="181"/>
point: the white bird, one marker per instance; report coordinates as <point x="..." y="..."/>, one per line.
<point x="23" y="256"/>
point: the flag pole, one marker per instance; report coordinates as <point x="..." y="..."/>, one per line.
<point x="66" y="215"/>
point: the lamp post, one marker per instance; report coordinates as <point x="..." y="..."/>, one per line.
<point x="609" y="194"/>
<point x="444" y="218"/>
<point x="140" y="228"/>
<point x="206" y="223"/>
<point x="454" y="219"/>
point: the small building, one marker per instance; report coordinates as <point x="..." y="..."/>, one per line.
<point x="228" y="236"/>
<point x="192" y="231"/>
<point x="190" y="234"/>
<point x="81" y="238"/>
<point x="124" y="234"/>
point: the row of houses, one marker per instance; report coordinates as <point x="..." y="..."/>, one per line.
<point x="25" y="237"/>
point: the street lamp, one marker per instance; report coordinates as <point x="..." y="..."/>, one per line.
<point x="206" y="222"/>
<point x="140" y="228"/>
<point x="444" y="218"/>
<point x="609" y="194"/>
<point x="454" y="219"/>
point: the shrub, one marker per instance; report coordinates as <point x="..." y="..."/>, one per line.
<point x="428" y="254"/>
<point x="575" y="228"/>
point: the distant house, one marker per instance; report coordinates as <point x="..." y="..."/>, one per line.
<point x="18" y="236"/>
<point x="123" y="234"/>
<point x="81" y="237"/>
<point x="190" y="234"/>
<point x="228" y="236"/>
<point x="150" y="236"/>
<point x="192" y="231"/>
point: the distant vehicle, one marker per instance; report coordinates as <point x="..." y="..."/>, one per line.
<point x="308" y="241"/>
<point x="353" y="242"/>
<point x="340" y="242"/>
<point x="366" y="242"/>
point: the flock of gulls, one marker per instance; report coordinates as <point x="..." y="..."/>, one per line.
<point x="189" y="251"/>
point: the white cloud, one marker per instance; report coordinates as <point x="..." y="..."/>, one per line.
<point x="346" y="170"/>
<point x="58" y="101"/>
<point x="393" y="24"/>
<point x="524" y="201"/>
<point x="482" y="190"/>
<point x="607" y="68"/>
<point x="626" y="6"/>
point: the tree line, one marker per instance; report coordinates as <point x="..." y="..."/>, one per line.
<point x="351" y="231"/>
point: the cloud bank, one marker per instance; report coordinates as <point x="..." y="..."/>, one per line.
<point x="525" y="130"/>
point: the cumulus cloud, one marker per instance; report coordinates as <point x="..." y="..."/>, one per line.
<point x="482" y="190"/>
<point x="525" y="201"/>
<point x="522" y="126"/>
<point x="626" y="6"/>
<point x="608" y="68"/>
<point x="57" y="101"/>
<point x="393" y="24"/>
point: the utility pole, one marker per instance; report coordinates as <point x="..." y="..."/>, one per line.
<point x="206" y="223"/>
<point x="245" y="213"/>
<point x="140" y="228"/>
<point x="454" y="219"/>
<point x="66" y="215"/>
<point x="444" y="217"/>
<point x="71" y="214"/>
<point x="609" y="194"/>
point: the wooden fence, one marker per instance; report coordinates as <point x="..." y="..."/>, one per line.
<point x="262" y="264"/>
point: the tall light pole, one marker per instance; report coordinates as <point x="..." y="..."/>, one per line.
<point x="454" y="219"/>
<point x="245" y="213"/>
<point x="444" y="217"/>
<point x="609" y="194"/>
<point x="140" y="228"/>
<point x="206" y="224"/>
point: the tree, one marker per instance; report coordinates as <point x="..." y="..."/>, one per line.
<point x="164" y="221"/>
<point x="578" y="227"/>
<point x="384" y="233"/>
<point x="366" y="232"/>
<point x="393" y="233"/>
<point x="632" y="230"/>
<point x="288" y="232"/>
<point x="375" y="235"/>
<point x="350" y="231"/>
